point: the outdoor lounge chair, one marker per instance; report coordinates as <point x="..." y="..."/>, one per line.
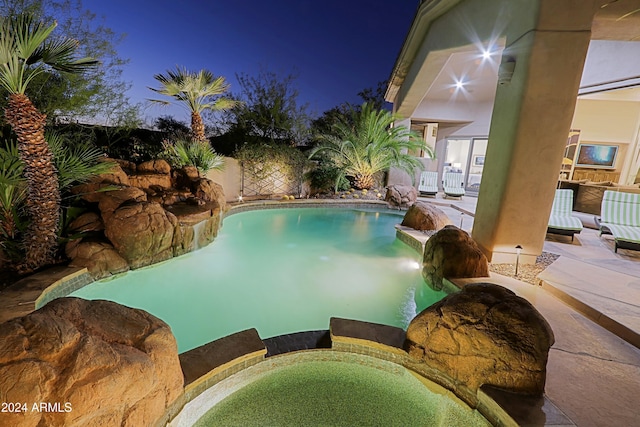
<point x="620" y="217"/>
<point x="428" y="183"/>
<point x="452" y="184"/>
<point x="561" y="221"/>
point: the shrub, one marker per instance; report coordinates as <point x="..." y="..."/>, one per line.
<point x="192" y="153"/>
<point x="326" y="177"/>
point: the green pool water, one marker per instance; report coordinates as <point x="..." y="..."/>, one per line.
<point x="280" y="271"/>
<point x="337" y="393"/>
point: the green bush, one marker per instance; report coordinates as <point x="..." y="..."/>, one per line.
<point x="13" y="192"/>
<point x="325" y="178"/>
<point x="192" y="153"/>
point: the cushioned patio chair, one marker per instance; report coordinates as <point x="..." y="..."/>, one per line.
<point x="452" y="184"/>
<point x="428" y="183"/>
<point x="620" y="217"/>
<point x="561" y="221"/>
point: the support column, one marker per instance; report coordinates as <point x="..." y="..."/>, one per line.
<point x="531" y="119"/>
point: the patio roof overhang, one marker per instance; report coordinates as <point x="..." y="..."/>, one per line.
<point x="421" y="74"/>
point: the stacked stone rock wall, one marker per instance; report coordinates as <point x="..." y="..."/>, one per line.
<point x="133" y="223"/>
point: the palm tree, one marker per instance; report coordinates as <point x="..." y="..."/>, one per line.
<point x="366" y="143"/>
<point x="198" y="91"/>
<point x="25" y="52"/>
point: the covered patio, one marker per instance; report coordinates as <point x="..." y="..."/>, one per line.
<point x="505" y="78"/>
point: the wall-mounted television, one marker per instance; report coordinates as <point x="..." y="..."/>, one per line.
<point x="596" y="156"/>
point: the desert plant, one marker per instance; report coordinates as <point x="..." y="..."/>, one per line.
<point x="76" y="163"/>
<point x="192" y="153"/>
<point x="26" y="51"/>
<point x="73" y="163"/>
<point x="367" y="143"/>
<point x="13" y="192"/>
<point x="198" y="91"/>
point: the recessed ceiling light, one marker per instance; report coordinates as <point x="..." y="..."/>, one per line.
<point x="459" y="84"/>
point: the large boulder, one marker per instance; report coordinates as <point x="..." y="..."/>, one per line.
<point x="401" y="195"/>
<point x="147" y="181"/>
<point x="96" y="363"/>
<point x="116" y="176"/>
<point x="159" y="166"/>
<point x="209" y="192"/>
<point x="451" y="253"/>
<point x="109" y="197"/>
<point x="424" y="216"/>
<point x="142" y="233"/>
<point x="109" y="201"/>
<point x="86" y="222"/>
<point x="484" y="334"/>
<point x="153" y="173"/>
<point x="99" y="258"/>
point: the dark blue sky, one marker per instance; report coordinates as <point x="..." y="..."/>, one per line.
<point x="336" y="47"/>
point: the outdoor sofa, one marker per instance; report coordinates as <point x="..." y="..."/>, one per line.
<point x="452" y="184"/>
<point x="428" y="183"/>
<point x="561" y="220"/>
<point x="620" y="217"/>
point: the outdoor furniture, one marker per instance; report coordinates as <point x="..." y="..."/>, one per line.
<point x="452" y="184"/>
<point x="620" y="217"/>
<point x="561" y="221"/>
<point x="428" y="183"/>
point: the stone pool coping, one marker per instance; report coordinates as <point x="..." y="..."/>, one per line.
<point x="32" y="292"/>
<point x="307" y="203"/>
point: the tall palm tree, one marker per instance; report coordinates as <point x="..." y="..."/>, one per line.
<point x="198" y="91"/>
<point x="366" y="143"/>
<point x="26" y="50"/>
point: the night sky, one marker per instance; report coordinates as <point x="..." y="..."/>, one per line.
<point x="336" y="47"/>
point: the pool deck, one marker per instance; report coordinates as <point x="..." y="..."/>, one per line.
<point x="591" y="298"/>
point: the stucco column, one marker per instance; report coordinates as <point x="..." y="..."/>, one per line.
<point x="531" y="119"/>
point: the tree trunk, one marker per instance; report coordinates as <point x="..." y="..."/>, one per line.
<point x="197" y="127"/>
<point x="43" y="192"/>
<point x="363" y="181"/>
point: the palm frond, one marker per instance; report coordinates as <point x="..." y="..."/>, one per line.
<point x="197" y="91"/>
<point x="76" y="164"/>
<point x="28" y="36"/>
<point x="193" y="153"/>
<point x="25" y="48"/>
<point x="366" y="143"/>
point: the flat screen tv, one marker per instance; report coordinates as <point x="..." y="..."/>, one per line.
<point x="596" y="156"/>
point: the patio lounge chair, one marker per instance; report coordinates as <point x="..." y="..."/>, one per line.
<point x="561" y="221"/>
<point x="428" y="183"/>
<point x="620" y="217"/>
<point x="452" y="184"/>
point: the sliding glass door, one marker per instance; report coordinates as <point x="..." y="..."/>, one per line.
<point x="466" y="156"/>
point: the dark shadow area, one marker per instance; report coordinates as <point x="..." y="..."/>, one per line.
<point x="307" y="340"/>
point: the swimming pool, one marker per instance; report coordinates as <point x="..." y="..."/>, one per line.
<point x="280" y="271"/>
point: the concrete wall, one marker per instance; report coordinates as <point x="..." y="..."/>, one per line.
<point x="230" y="178"/>
<point x="607" y="121"/>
